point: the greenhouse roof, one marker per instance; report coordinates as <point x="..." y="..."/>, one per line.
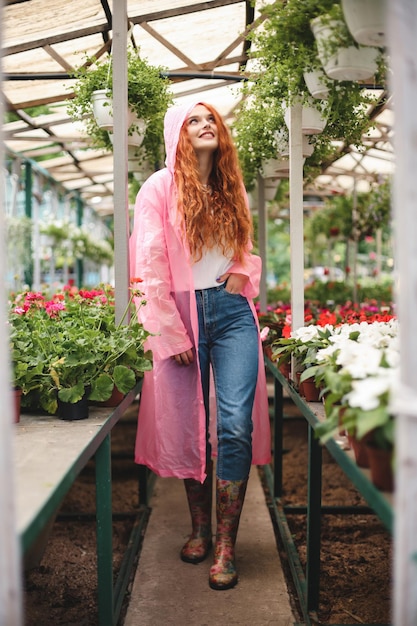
<point x="203" y="47"/>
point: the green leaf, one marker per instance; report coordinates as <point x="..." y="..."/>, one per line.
<point x="310" y="372"/>
<point x="72" y="394"/>
<point x="369" y="420"/>
<point x="101" y="388"/>
<point x="124" y="378"/>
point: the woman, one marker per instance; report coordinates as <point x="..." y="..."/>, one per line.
<point x="191" y="246"/>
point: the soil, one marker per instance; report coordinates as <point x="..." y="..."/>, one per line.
<point x="355" y="556"/>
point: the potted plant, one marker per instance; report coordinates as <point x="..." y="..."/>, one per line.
<point x="68" y="347"/>
<point x="359" y="370"/>
<point x="341" y="56"/>
<point x="285" y="50"/>
<point x="148" y="99"/>
<point x="255" y="131"/>
<point x="367" y="21"/>
<point x="271" y="324"/>
<point x="69" y="242"/>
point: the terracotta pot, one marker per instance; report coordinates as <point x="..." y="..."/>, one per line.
<point x="17" y="394"/>
<point x="360" y="451"/>
<point x="115" y="398"/>
<point x="285" y="370"/>
<point x="342" y="430"/>
<point x="268" y="352"/>
<point x="300" y="384"/>
<point x="311" y="392"/>
<point x="380" y="464"/>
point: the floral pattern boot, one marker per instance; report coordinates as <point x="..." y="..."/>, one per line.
<point x="230" y="495"/>
<point x="199" y="496"/>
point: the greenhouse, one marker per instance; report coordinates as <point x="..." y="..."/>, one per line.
<point x="100" y="435"/>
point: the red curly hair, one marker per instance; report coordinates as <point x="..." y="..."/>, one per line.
<point x="220" y="217"/>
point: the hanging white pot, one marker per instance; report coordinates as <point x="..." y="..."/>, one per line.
<point x="141" y="171"/>
<point x="270" y="188"/>
<point x="102" y="108"/>
<point x="272" y="167"/>
<point x="103" y="114"/>
<point x="316" y="84"/>
<point x="349" y="63"/>
<point x="136" y="129"/>
<point x="308" y="149"/>
<point x="133" y="164"/>
<point x="367" y="21"/>
<point x="252" y="201"/>
<point x="313" y="121"/>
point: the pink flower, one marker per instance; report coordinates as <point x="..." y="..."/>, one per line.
<point x="264" y="333"/>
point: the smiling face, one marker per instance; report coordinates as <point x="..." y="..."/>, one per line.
<point x="202" y="129"/>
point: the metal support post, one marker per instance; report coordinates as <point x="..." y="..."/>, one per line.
<point x="104" y="533"/>
<point x="278" y="437"/>
<point x="313" y="521"/>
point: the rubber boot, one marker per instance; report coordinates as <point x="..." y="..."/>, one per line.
<point x="199" y="496"/>
<point x="230" y="495"/>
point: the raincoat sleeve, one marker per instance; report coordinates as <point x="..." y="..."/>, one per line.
<point x="149" y="260"/>
<point x="251" y="267"/>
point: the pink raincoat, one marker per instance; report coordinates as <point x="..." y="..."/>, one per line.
<point x="171" y="435"/>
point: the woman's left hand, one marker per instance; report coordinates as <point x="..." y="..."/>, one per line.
<point x="235" y="282"/>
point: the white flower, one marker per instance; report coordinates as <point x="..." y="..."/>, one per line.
<point x="359" y="360"/>
<point x="306" y="333"/>
<point x="324" y="354"/>
<point x="366" y="393"/>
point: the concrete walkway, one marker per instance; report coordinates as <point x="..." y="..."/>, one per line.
<point x="168" y="592"/>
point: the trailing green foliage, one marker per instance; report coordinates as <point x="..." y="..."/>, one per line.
<point x="147" y="93"/>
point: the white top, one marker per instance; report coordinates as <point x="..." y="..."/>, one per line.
<point x="212" y="264"/>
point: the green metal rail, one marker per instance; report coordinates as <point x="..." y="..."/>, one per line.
<point x="307" y="583"/>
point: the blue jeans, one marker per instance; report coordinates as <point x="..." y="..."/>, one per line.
<point x="228" y="341"/>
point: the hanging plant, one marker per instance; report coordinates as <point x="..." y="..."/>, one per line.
<point x="373" y="211"/>
<point x="99" y="251"/>
<point x="19" y="242"/>
<point x="256" y="133"/>
<point x="283" y="51"/>
<point x="70" y="242"/>
<point x="148" y="97"/>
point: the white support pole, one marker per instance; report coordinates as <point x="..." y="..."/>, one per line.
<point x="120" y="196"/>
<point x="36" y="237"/>
<point x="378" y="237"/>
<point x="296" y="218"/>
<point x="403" y="53"/>
<point x="262" y="237"/>
<point x="11" y="611"/>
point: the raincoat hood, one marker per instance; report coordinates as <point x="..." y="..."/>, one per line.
<point x="174" y="119"/>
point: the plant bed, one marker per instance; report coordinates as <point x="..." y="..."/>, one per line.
<point x="356" y="549"/>
<point x="62" y="589"/>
